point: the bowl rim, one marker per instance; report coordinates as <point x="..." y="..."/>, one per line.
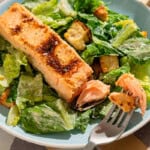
<point x="64" y="146"/>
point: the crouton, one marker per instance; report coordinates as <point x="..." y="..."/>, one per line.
<point x="3" y="99"/>
<point x="78" y="35"/>
<point x="101" y="13"/>
<point x="109" y="63"/>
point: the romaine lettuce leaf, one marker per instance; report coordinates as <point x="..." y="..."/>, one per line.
<point x="85" y="6"/>
<point x="32" y="3"/>
<point x="54" y="13"/>
<point x="13" y="116"/>
<point x="11" y="67"/>
<point x="98" y="48"/>
<point x="30" y="90"/>
<point x="66" y="113"/>
<point x="41" y="119"/>
<point x="112" y="76"/>
<point x="48" y="8"/>
<point x="138" y="49"/>
<point x="4" y="45"/>
<point x="83" y="119"/>
<point x="55" y="23"/>
<point x="102" y="30"/>
<point x="124" y="34"/>
<point x="47" y="118"/>
<point x="13" y="91"/>
<point x="142" y="72"/>
<point x="66" y="8"/>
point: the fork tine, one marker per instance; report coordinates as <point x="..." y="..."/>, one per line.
<point x="120" y="118"/>
<point x="127" y="119"/>
<point x="109" y="113"/>
<point x="115" y="116"/>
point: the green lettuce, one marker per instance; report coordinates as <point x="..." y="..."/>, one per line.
<point x="41" y="119"/>
<point x="98" y="48"/>
<point x="13" y="91"/>
<point x="4" y="45"/>
<point x="55" y="23"/>
<point x="86" y="6"/>
<point x="102" y="30"/>
<point x="13" y="116"/>
<point x="124" y="34"/>
<point x="47" y="118"/>
<point x="138" y="49"/>
<point x="11" y="67"/>
<point x="30" y="4"/>
<point x="64" y="110"/>
<point x="142" y="72"/>
<point x="83" y="119"/>
<point x="54" y="13"/>
<point x="113" y="75"/>
<point x="29" y="91"/>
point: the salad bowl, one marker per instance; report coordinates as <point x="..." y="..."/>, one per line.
<point x="76" y="139"/>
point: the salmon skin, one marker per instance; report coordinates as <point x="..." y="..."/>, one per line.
<point x="61" y="66"/>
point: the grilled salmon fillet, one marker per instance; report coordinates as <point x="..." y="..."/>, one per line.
<point x="61" y="66"/>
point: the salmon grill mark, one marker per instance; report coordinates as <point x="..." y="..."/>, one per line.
<point x="26" y="43"/>
<point x="23" y="15"/>
<point x="28" y="19"/>
<point x="48" y="45"/>
<point x="47" y="48"/>
<point x="62" y="69"/>
<point x="16" y="30"/>
<point x="13" y="9"/>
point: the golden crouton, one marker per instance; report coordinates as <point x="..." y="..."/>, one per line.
<point x="101" y="13"/>
<point x="109" y="63"/>
<point x="78" y="35"/>
<point x="3" y="98"/>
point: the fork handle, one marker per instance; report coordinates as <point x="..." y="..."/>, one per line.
<point x="89" y="146"/>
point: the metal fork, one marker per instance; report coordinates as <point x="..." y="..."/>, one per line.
<point x="110" y="128"/>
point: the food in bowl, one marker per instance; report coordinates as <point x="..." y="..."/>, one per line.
<point x="61" y="61"/>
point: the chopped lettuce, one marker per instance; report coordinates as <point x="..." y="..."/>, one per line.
<point x="115" y="17"/>
<point x="49" y="94"/>
<point x="66" y="113"/>
<point x="41" y="119"/>
<point x="3" y="80"/>
<point x="47" y="8"/>
<point x="86" y="6"/>
<point x="66" y="8"/>
<point x="13" y="91"/>
<point x="46" y="119"/>
<point x="112" y="76"/>
<point x="3" y="44"/>
<point x="54" y="13"/>
<point x="124" y="34"/>
<point x="98" y="112"/>
<point x="138" y="49"/>
<point x="11" y="67"/>
<point x="142" y="73"/>
<point x="32" y="3"/>
<point x="102" y="30"/>
<point x="12" y="64"/>
<point x="98" y="48"/>
<point x="101" y="110"/>
<point x="55" y="23"/>
<point x="29" y="91"/>
<point x="83" y="119"/>
<point x="13" y="116"/>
